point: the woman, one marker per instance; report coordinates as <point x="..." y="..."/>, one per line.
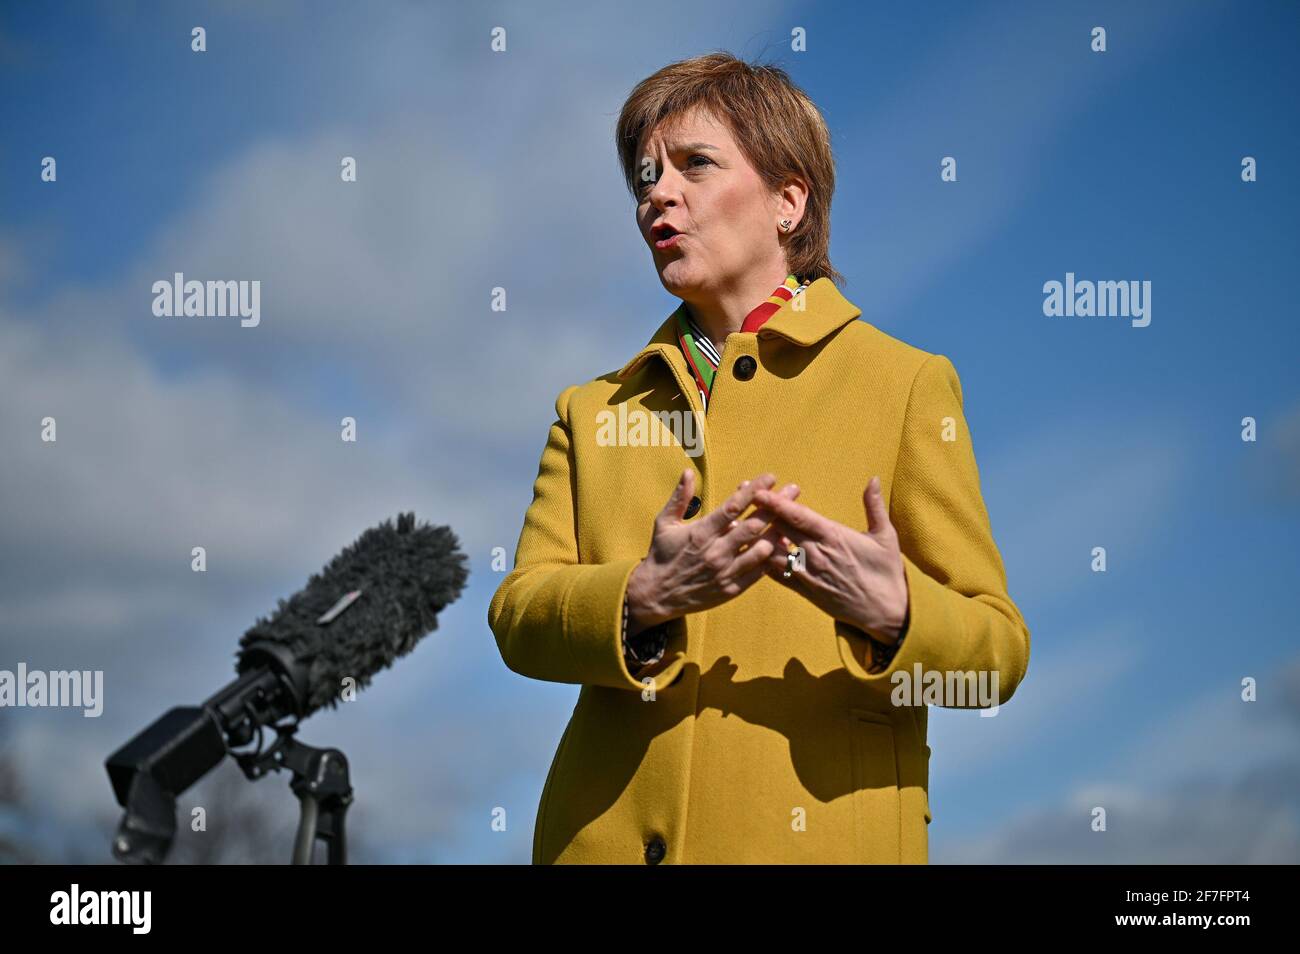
<point x="738" y="669"/>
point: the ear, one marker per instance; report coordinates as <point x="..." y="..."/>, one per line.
<point x="792" y="200"/>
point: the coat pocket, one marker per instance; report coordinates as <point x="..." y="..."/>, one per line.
<point x="877" y="803"/>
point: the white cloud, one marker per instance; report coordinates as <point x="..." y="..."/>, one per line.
<point x="1215" y="782"/>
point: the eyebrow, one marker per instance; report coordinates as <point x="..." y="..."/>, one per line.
<point x="695" y="145"/>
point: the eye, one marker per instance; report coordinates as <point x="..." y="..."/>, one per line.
<point x="690" y="164"/>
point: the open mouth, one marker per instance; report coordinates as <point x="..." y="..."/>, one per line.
<point x="665" y="236"/>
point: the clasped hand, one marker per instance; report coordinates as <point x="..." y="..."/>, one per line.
<point x="853" y="576"/>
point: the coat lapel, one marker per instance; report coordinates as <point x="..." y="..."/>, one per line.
<point x="824" y="311"/>
<point x="664" y="342"/>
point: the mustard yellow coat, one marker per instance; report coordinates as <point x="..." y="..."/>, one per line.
<point x="760" y="736"/>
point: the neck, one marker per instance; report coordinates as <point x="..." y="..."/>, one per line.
<point x="721" y="311"/>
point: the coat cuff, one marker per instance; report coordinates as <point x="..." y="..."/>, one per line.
<point x="593" y="626"/>
<point x="928" y="613"/>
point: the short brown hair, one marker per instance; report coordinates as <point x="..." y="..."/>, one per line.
<point x="776" y="125"/>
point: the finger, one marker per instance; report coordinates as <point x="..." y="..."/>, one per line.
<point x="758" y="558"/>
<point x="675" y="508"/>
<point x="717" y="522"/>
<point x="798" y="516"/>
<point x="776" y="567"/>
<point x="743" y="535"/>
<point x="770" y="522"/>
<point x="784" y="545"/>
<point x="757" y="554"/>
<point x="791" y="535"/>
<point x="789" y="492"/>
<point x="778" y="562"/>
<point x="759" y="519"/>
<point x="874" y="502"/>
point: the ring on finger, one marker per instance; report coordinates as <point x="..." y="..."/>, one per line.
<point x="794" y="561"/>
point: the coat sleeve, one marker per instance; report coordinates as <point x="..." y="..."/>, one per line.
<point x="960" y="617"/>
<point x="555" y="618"/>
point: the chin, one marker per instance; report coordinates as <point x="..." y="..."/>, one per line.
<point x="678" y="277"/>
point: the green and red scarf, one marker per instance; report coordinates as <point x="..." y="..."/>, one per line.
<point x="702" y="357"/>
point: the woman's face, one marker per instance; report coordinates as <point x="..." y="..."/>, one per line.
<point x="704" y="187"/>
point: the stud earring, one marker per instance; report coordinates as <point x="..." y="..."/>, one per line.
<point x="785" y="225"/>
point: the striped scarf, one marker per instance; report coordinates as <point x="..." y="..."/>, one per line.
<point x="702" y="357"/>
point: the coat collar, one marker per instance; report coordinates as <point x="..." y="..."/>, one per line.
<point x="825" y="311"/>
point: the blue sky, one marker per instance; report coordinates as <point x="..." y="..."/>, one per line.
<point x="481" y="169"/>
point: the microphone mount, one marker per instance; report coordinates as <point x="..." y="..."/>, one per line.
<point x="186" y="742"/>
<point x="323" y="786"/>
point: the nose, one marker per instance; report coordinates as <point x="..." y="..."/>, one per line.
<point x="662" y="199"/>
<point x="664" y="192"/>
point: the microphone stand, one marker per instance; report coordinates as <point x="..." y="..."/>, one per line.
<point x="321" y="782"/>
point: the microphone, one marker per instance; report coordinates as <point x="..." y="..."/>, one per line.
<point x="368" y="607"/>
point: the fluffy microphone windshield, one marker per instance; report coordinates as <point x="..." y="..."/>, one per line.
<point x="369" y="606"/>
